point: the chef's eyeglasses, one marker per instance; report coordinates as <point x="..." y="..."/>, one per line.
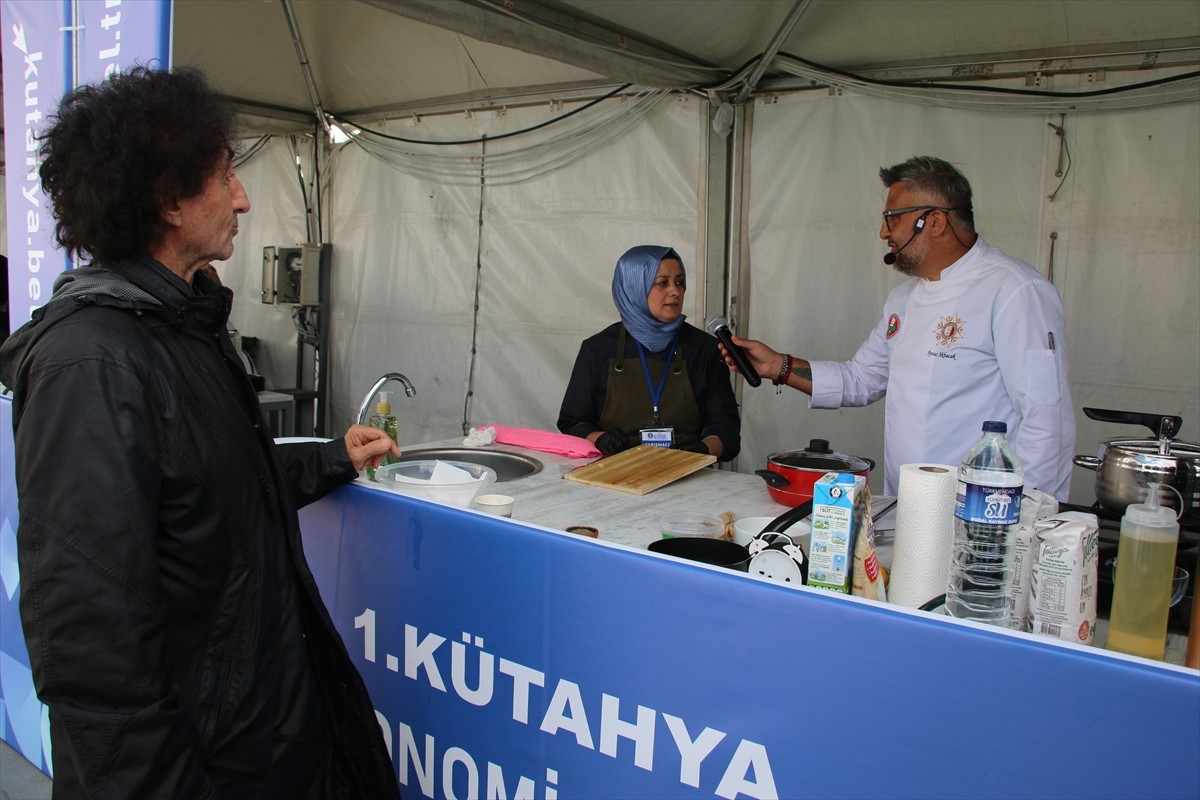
<point x="895" y="212"/>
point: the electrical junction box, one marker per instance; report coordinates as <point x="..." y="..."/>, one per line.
<point x="291" y="275"/>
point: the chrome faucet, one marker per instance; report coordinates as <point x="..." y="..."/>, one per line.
<point x="365" y="408"/>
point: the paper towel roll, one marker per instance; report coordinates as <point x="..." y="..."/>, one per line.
<point x="924" y="533"/>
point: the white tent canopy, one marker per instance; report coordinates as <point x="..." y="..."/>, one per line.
<point x="476" y="269"/>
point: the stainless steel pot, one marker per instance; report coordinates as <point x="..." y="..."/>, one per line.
<point x="1126" y="466"/>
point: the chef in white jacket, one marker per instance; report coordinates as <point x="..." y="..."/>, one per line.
<point x="973" y="335"/>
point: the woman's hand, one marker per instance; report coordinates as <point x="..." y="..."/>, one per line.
<point x="612" y="441"/>
<point x="367" y="446"/>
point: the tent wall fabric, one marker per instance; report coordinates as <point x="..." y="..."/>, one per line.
<point x="481" y="290"/>
<point x="1125" y="254"/>
<point x="413" y="258"/>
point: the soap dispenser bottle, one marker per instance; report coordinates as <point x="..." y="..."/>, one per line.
<point x="384" y="420"/>
<point x="1142" y="584"/>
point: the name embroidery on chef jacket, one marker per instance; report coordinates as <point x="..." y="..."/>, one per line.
<point x="893" y="325"/>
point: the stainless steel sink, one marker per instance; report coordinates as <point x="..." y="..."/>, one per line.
<point x="508" y="466"/>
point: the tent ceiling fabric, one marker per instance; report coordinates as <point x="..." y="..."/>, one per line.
<point x="360" y="56"/>
<point x="375" y="55"/>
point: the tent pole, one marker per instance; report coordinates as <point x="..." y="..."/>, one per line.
<point x="318" y="110"/>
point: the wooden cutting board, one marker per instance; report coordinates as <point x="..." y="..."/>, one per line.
<point x="641" y="469"/>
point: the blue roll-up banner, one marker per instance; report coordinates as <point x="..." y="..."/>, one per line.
<point x="37" y="72"/>
<point x="23" y="721"/>
<point x="49" y="46"/>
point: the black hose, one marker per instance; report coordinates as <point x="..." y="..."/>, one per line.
<point x="790" y="517"/>
<point x="936" y="602"/>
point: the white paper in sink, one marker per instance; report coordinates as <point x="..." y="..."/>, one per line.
<point x="444" y="473"/>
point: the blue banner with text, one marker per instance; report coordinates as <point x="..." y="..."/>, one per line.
<point x="511" y="661"/>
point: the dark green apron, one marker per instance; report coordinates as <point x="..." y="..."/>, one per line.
<point x="628" y="403"/>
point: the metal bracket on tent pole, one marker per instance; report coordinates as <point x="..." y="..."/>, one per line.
<point x="304" y="66"/>
<point x="769" y="54"/>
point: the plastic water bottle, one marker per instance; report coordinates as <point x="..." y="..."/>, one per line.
<point x="986" y="510"/>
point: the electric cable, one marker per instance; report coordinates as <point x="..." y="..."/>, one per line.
<point x="1161" y="91"/>
<point x="480" y="140"/>
<point x="303" y="189"/>
<point x="245" y="155"/>
<point x="512" y="162"/>
<point x="1061" y="132"/>
<point x="996" y="89"/>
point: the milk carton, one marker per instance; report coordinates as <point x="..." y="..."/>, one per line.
<point x="839" y="508"/>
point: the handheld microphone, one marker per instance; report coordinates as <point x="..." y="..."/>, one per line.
<point x="718" y="326"/>
<point x="890" y="258"/>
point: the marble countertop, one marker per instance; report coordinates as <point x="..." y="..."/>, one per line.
<point x="546" y="499"/>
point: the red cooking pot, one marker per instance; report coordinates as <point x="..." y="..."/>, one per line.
<point x="790" y="475"/>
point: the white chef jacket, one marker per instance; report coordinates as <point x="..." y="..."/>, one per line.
<point x="986" y="342"/>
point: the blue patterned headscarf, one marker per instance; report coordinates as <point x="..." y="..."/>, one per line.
<point x="631" y="285"/>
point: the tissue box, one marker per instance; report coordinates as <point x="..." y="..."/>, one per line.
<point x="839" y="507"/>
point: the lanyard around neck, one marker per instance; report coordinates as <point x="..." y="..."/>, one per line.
<point x="656" y="394"/>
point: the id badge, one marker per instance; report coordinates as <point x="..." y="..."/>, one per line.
<point x="659" y="437"/>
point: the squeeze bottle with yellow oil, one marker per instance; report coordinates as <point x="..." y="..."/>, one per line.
<point x="1142" y="584"/>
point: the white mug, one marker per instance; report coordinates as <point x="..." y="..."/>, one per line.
<point x="498" y="505"/>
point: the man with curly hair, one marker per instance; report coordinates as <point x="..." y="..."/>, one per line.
<point x="173" y="625"/>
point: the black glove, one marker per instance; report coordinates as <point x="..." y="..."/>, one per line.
<point x="697" y="446"/>
<point x="612" y="441"/>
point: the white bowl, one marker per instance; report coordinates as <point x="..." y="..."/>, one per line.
<point x="451" y="482"/>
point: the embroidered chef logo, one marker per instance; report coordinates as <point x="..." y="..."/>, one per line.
<point x="893" y="325"/>
<point x="948" y="330"/>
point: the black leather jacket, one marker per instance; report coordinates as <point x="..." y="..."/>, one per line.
<point x="174" y="628"/>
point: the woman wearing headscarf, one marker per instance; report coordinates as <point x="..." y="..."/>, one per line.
<point x="652" y="378"/>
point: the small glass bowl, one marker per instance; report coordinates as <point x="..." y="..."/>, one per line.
<point x="1179" y="584"/>
<point x="1179" y="581"/>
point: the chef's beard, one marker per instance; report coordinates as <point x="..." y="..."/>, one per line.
<point x="907" y="264"/>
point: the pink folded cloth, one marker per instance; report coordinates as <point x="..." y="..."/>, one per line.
<point x="545" y="441"/>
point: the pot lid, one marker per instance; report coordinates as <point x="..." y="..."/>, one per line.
<point x="1150" y="447"/>
<point x="819" y="457"/>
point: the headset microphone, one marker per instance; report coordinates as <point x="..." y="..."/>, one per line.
<point x="890" y="258"/>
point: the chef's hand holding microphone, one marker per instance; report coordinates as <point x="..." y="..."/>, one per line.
<point x="718" y="326"/>
<point x="754" y="360"/>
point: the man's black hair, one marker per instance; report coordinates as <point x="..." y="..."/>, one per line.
<point x="120" y="150"/>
